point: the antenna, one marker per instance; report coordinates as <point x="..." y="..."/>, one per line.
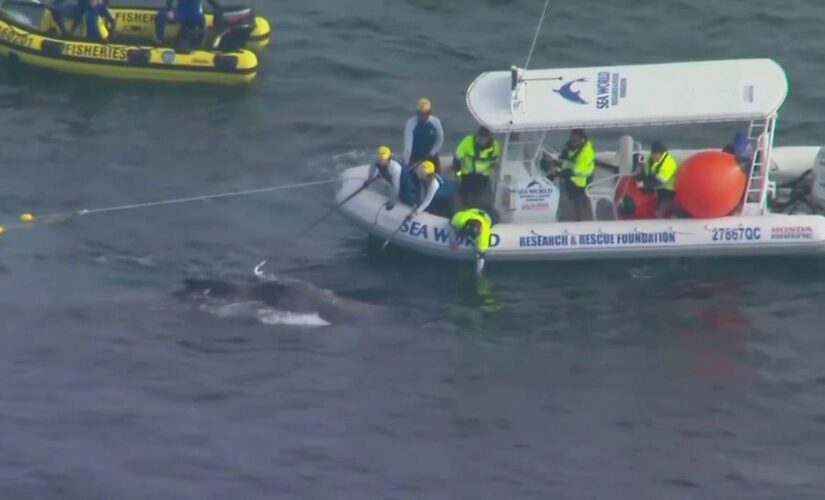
<point x="536" y="36"/>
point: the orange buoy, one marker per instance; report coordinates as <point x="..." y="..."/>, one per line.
<point x="632" y="202"/>
<point x="710" y="184"/>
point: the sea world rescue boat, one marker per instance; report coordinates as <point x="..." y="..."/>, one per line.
<point x="523" y="107"/>
<point x="29" y="34"/>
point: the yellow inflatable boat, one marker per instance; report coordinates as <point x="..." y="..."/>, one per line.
<point x="222" y="55"/>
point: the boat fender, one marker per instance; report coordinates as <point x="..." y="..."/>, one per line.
<point x="225" y="62"/>
<point x="139" y="57"/>
<point x="51" y="48"/>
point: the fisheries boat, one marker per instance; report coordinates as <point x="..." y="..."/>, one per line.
<point x="29" y="34"/>
<point x="777" y="195"/>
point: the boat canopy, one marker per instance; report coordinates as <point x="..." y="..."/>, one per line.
<point x="627" y="96"/>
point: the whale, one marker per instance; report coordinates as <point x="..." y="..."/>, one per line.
<point x="280" y="293"/>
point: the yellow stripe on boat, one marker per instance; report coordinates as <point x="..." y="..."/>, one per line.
<point x="42" y="48"/>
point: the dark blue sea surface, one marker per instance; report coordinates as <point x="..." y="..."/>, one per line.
<point x="635" y="379"/>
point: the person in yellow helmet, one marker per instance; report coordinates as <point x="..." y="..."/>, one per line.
<point x="437" y="193"/>
<point x="476" y="158"/>
<point x="399" y="178"/>
<point x="659" y="175"/>
<point x="423" y="136"/>
<point x="575" y="166"/>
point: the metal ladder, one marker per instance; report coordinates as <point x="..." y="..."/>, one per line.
<point x="760" y="141"/>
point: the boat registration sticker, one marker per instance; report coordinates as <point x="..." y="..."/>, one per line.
<point x="168" y="56"/>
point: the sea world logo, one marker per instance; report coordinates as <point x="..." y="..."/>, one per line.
<point x="610" y="88"/>
<point x="441" y="234"/>
<point x="568" y="93"/>
<point x="536" y="189"/>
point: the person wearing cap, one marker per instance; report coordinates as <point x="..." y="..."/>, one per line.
<point x="475" y="224"/>
<point x="398" y="177"/>
<point x="438" y="193"/>
<point x="659" y="175"/>
<point x="575" y="166"/>
<point x="475" y="159"/>
<point x="423" y="136"/>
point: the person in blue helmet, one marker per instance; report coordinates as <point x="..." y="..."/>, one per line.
<point x="188" y="13"/>
<point x="92" y="11"/>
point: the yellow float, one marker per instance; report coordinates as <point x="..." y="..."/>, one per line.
<point x="224" y="55"/>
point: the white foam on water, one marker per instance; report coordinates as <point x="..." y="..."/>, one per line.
<point x="275" y="317"/>
<point x="267" y="315"/>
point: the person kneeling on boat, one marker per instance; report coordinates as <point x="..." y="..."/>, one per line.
<point x="475" y="159"/>
<point x="659" y="174"/>
<point x="398" y="177"/>
<point x="99" y="20"/>
<point x="575" y="166"/>
<point x="475" y="224"/>
<point x="189" y="14"/>
<point x="438" y="192"/>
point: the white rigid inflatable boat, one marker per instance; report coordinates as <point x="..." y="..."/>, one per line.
<point x="523" y="106"/>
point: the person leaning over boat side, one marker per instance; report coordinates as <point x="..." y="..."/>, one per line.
<point x="90" y="10"/>
<point x="438" y="193"/>
<point x="423" y="136"/>
<point x="475" y="159"/>
<point x="188" y="13"/>
<point x="575" y="166"/>
<point x="475" y="224"/>
<point x="398" y="177"/>
<point x="659" y="175"/>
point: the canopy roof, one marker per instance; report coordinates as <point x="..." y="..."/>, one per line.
<point x="623" y="96"/>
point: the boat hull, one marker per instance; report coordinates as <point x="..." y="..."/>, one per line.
<point x="770" y="235"/>
<point x="126" y="60"/>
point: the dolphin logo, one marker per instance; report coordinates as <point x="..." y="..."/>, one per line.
<point x="567" y="92"/>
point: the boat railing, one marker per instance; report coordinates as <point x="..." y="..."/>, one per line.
<point x="604" y="189"/>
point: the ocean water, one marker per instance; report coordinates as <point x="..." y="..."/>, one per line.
<point x="636" y="379"/>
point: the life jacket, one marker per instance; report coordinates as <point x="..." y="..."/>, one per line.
<point x="461" y="218"/>
<point x="477" y="161"/>
<point x="664" y="170"/>
<point x="581" y="161"/>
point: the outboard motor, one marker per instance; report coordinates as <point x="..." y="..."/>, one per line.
<point x="233" y="27"/>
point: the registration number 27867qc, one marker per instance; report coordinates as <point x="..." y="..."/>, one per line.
<point x="736" y="233"/>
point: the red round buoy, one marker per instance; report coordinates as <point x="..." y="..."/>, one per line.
<point x="632" y="202"/>
<point x="710" y="184"/>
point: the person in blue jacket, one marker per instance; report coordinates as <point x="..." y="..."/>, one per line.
<point x="188" y="13"/>
<point x="90" y="10"/>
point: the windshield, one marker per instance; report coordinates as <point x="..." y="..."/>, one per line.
<point x="27" y="14"/>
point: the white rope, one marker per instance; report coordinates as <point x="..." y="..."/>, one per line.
<point x="536" y="37"/>
<point x="28" y="220"/>
<point x="203" y="197"/>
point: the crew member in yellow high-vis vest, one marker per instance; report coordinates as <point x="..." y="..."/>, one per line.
<point x="659" y="174"/>
<point x="575" y="166"/>
<point x="476" y="158"/>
